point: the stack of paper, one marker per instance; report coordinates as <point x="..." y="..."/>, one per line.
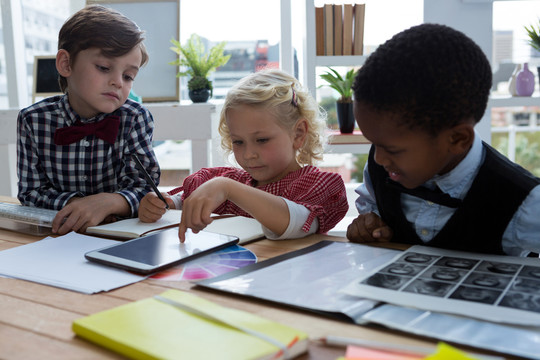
<point x="60" y="262"/>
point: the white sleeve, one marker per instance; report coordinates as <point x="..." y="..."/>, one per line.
<point x="365" y="203"/>
<point x="177" y="199"/>
<point x="298" y="215"/>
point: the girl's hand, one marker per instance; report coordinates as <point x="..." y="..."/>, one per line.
<point x="198" y="207"/>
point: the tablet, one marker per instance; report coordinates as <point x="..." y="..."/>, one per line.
<point x="157" y="251"/>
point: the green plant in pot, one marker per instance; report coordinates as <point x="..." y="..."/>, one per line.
<point x="199" y="64"/>
<point x="534" y="39"/>
<point x="344" y="105"/>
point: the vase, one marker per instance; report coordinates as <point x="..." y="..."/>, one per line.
<point x="345" y="116"/>
<point x="512" y="80"/>
<point x="199" y="96"/>
<point x="525" y="81"/>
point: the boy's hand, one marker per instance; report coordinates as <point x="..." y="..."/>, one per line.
<point x="369" y="228"/>
<point x="197" y="208"/>
<point x="82" y="212"/>
<point x="152" y="208"/>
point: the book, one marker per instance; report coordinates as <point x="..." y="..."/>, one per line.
<point x="347" y="29"/>
<point x="358" y="38"/>
<point x="319" y="31"/>
<point x="177" y="324"/>
<point x="246" y="229"/>
<point x="338" y="29"/>
<point x="336" y="137"/>
<point x="328" y="29"/>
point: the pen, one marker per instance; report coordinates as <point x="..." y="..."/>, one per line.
<point x="400" y="348"/>
<point x="148" y="178"/>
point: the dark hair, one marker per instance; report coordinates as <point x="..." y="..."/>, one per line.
<point x="432" y="76"/>
<point x="97" y="26"/>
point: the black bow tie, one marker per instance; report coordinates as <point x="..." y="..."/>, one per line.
<point x="435" y="196"/>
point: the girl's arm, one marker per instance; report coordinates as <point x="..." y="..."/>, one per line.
<point x="298" y="217"/>
<point x="270" y="210"/>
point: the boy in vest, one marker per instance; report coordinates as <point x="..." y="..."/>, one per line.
<point x="429" y="179"/>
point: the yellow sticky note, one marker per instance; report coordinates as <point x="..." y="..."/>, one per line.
<point x="447" y="352"/>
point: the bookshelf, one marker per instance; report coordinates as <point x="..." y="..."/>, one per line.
<point x="312" y="60"/>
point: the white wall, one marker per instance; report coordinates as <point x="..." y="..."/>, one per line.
<point x="475" y="19"/>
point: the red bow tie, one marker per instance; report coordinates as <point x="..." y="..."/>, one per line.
<point x="106" y="129"/>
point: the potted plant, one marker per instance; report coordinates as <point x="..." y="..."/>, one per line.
<point x="344" y="105"/>
<point x="534" y="40"/>
<point x="199" y="65"/>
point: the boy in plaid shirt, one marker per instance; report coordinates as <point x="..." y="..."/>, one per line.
<point x="73" y="149"/>
<point x="273" y="127"/>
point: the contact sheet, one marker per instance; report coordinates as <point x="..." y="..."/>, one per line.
<point x="499" y="288"/>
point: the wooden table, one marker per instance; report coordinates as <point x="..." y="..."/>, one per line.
<point x="35" y="319"/>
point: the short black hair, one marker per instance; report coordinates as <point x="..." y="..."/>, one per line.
<point x="432" y="76"/>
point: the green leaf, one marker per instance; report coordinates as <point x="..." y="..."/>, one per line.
<point x="534" y="36"/>
<point x="343" y="85"/>
<point x="194" y="56"/>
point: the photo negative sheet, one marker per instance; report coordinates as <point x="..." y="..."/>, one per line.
<point x="490" y="287"/>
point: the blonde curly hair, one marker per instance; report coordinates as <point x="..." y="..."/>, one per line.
<point x="283" y="96"/>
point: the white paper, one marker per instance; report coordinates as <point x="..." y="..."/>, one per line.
<point x="60" y="262"/>
<point x="135" y="226"/>
<point x="246" y="229"/>
<point x="501" y="289"/>
<point x="313" y="279"/>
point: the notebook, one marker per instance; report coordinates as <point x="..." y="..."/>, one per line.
<point x="178" y="324"/>
<point x="246" y="229"/>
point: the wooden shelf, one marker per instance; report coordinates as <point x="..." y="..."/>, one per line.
<point x="349" y="60"/>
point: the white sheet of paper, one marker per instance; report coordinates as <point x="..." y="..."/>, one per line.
<point x="60" y="262"/>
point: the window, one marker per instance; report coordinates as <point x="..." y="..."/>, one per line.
<point x="251" y="29"/>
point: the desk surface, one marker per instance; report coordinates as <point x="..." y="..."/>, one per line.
<point x="35" y="319"/>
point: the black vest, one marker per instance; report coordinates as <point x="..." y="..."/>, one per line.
<point x="479" y="223"/>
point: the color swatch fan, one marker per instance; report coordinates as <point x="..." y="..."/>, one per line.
<point x="217" y="263"/>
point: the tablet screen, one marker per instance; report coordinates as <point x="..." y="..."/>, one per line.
<point x="156" y="251"/>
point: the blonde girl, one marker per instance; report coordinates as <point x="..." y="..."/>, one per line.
<point x="274" y="128"/>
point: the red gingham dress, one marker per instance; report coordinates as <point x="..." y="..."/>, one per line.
<point x="322" y="193"/>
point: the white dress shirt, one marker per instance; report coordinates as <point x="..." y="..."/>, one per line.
<point x="522" y="235"/>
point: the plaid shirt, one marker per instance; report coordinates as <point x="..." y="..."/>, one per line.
<point x="322" y="193"/>
<point x="49" y="174"/>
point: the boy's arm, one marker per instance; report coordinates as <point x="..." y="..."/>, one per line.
<point x="365" y="203"/>
<point x="132" y="185"/>
<point x="522" y="235"/>
<point x="368" y="226"/>
<point x="91" y="210"/>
